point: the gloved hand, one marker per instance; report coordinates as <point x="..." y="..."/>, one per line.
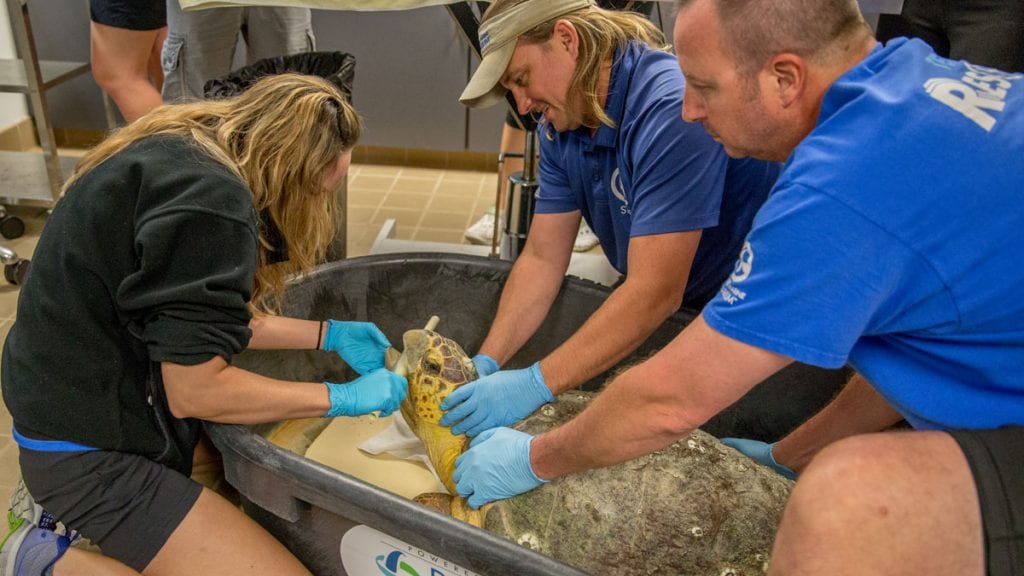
<point x="760" y="452"/>
<point x="360" y="344"/>
<point x="485" y="365"/>
<point x="503" y="398"/>
<point x="496" y="466"/>
<point x="381" y="390"/>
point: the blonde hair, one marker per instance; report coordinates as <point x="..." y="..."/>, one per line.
<point x="281" y="137"/>
<point x="601" y="32"/>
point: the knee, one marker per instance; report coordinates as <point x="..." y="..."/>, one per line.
<point x="836" y="491"/>
<point x="107" y="75"/>
<point x="113" y="76"/>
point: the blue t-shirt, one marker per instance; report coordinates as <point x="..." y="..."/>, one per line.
<point x="654" y="174"/>
<point x="894" y="240"/>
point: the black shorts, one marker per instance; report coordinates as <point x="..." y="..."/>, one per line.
<point x="130" y="14"/>
<point x="995" y="457"/>
<point x="126" y="504"/>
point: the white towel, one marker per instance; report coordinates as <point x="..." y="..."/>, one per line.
<point x="399" y="441"/>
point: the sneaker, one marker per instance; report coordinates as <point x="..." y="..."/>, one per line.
<point x="28" y="549"/>
<point x="24" y="506"/>
<point x="482" y="231"/>
<point x="585" y="238"/>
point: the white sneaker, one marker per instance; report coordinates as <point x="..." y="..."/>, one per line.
<point x="585" y="238"/>
<point x="482" y="231"/>
<point x="24" y="506"/>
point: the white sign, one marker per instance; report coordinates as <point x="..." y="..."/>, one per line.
<point x="369" y="552"/>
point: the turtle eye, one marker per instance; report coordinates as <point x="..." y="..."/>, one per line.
<point x="432" y="367"/>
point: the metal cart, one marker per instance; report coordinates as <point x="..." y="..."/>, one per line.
<point x="30" y="178"/>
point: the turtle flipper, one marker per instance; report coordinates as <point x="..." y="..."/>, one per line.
<point x="462" y="511"/>
<point x="454" y="506"/>
<point x="437" y="501"/>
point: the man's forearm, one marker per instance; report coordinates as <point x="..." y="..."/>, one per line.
<point x="615" y="330"/>
<point x="656" y="402"/>
<point x="525" y="301"/>
<point x="626" y="420"/>
<point x="857" y="409"/>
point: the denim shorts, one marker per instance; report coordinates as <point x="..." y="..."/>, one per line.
<point x="996" y="458"/>
<point x="126" y="504"/>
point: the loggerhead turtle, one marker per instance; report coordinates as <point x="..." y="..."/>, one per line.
<point x="695" y="507"/>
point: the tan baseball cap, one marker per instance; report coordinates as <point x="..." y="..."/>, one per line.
<point x="498" y="37"/>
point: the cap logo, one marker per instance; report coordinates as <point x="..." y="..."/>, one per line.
<point x="485" y="40"/>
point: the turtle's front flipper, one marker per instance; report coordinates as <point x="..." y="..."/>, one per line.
<point x="436" y="500"/>
<point x="453" y="506"/>
<point x="462" y="511"/>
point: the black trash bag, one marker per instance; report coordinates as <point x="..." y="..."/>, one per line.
<point x="338" y="68"/>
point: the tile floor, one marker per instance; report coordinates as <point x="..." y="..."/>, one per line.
<point x="428" y="205"/>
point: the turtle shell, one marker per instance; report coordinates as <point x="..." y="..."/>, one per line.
<point x="695" y="507"/>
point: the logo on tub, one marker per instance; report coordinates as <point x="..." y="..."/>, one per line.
<point x="393" y="563"/>
<point x="369" y="552"/>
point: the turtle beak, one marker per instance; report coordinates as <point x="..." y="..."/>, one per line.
<point x="415" y="343"/>
<point x="414" y="339"/>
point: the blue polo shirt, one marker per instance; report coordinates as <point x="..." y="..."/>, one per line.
<point x="654" y="174"/>
<point x="894" y="240"/>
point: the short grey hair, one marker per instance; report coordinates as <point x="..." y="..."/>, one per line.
<point x="756" y="30"/>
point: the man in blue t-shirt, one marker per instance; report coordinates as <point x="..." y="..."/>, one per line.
<point x="890" y="242"/>
<point x="668" y="206"/>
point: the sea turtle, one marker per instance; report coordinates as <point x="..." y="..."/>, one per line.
<point x="695" y="507"/>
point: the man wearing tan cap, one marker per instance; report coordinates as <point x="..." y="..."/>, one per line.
<point x="669" y="207"/>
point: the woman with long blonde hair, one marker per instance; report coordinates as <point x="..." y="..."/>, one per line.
<point x="167" y="255"/>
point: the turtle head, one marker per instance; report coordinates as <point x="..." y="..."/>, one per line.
<point x="434" y="366"/>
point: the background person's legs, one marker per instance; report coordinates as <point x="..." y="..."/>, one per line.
<point x="200" y="46"/>
<point x="274" y="31"/>
<point x="985" y="32"/>
<point x="513" y="140"/>
<point x="121" y="67"/>
<point x="154" y="66"/>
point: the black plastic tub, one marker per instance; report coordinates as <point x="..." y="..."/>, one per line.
<point x="337" y="524"/>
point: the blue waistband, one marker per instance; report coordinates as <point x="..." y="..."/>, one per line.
<point x="48" y="445"/>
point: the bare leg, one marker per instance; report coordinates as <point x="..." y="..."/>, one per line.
<point x="121" y="66"/>
<point x="77" y="562"/>
<point x="217" y="538"/>
<point x="890" y="503"/>
<point x="155" y="67"/>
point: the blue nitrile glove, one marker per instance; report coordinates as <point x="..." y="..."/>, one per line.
<point x="360" y="344"/>
<point x="760" y="452"/>
<point x="485" y="365"/>
<point x="381" y="390"/>
<point x="496" y="466"/>
<point x="503" y="398"/>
